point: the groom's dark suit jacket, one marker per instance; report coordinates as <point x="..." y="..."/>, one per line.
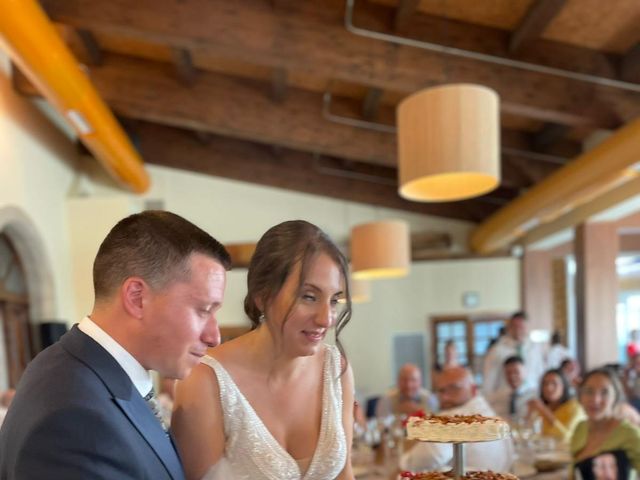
<point x="77" y="415"/>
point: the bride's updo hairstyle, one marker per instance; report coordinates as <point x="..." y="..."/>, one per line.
<point x="279" y="250"/>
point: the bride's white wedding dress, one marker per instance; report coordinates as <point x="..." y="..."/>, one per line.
<point x="251" y="452"/>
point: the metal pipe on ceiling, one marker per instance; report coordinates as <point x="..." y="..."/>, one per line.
<point x="34" y="45"/>
<point x="484" y="57"/>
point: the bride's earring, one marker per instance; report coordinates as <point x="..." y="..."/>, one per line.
<point x="261" y="318"/>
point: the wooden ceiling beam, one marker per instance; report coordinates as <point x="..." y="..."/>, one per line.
<point x="305" y="38"/>
<point x="630" y="65"/>
<point x="183" y="63"/>
<point x="21" y="84"/>
<point x="371" y="103"/>
<point x="238" y="108"/>
<point x="254" y="163"/>
<point x="549" y="134"/>
<point x="91" y="49"/>
<point x="534" y="23"/>
<point x="533" y="171"/>
<point x="278" y="84"/>
<point x="404" y="12"/>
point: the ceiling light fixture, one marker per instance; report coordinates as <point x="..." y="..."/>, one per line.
<point x="448" y="143"/>
<point x="380" y="250"/>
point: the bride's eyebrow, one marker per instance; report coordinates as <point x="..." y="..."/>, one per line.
<point x="318" y="289"/>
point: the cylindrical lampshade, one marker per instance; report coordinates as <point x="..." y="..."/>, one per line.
<point x="448" y="143"/>
<point x="380" y="250"/>
<point x="360" y="291"/>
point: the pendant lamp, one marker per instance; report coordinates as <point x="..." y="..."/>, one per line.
<point x="448" y="143"/>
<point x="360" y="291"/>
<point x="380" y="250"/>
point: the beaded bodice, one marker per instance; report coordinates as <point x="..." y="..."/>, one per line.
<point x="252" y="453"/>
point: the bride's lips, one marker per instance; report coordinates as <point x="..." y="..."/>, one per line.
<point x="314" y="336"/>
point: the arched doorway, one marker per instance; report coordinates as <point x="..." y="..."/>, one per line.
<point x="26" y="292"/>
<point x="16" y="334"/>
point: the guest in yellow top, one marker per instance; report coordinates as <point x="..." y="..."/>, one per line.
<point x="604" y="439"/>
<point x="559" y="410"/>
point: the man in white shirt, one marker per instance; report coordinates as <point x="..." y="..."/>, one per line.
<point x="510" y="402"/>
<point x="408" y="397"/>
<point x="84" y="406"/>
<point x="557" y="352"/>
<point x="458" y="395"/>
<point x="515" y="342"/>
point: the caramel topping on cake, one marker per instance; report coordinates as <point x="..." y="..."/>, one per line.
<point x="473" y="475"/>
<point x="457" y="419"/>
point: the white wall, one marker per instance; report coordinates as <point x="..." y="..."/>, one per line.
<point x="239" y="212"/>
<point x="405" y="306"/>
<point x="35" y="174"/>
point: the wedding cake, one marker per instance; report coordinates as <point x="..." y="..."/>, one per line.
<point x="456" y="428"/>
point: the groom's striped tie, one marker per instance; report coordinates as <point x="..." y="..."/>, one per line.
<point x="152" y="401"/>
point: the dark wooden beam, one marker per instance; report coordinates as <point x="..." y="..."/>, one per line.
<point x="305" y="38"/>
<point x="238" y="108"/>
<point x="203" y="137"/>
<point x="404" y="11"/>
<point x="183" y="63"/>
<point x="254" y="163"/>
<point x="535" y="172"/>
<point x="91" y="49"/>
<point x="549" y="134"/>
<point x="539" y="15"/>
<point x="371" y="103"/>
<point x="278" y="84"/>
<point x="21" y="84"/>
<point x="630" y="65"/>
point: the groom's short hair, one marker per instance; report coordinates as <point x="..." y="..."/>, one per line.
<point x="154" y="245"/>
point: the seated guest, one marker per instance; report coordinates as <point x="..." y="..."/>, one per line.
<point x="450" y="356"/>
<point x="557" y="407"/>
<point x="602" y="433"/>
<point x="458" y="395"/>
<point x="510" y="401"/>
<point x="408" y="397"/>
<point x="571" y="370"/>
<point x="557" y="351"/>
<point x="632" y="381"/>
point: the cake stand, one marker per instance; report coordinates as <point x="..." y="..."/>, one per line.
<point x="459" y="455"/>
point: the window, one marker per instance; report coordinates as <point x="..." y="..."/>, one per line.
<point x="471" y="334"/>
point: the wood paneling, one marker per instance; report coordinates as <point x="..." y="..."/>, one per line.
<point x="536" y="288"/>
<point x="305" y="37"/>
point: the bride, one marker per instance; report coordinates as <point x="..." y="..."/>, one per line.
<point x="277" y="402"/>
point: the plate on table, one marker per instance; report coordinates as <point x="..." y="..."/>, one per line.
<point x="360" y="470"/>
<point x="523" y="470"/>
<point x="550" y="461"/>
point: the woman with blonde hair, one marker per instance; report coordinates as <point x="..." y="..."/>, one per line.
<point x="599" y="393"/>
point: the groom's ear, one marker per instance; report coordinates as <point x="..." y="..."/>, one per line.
<point x="133" y="293"/>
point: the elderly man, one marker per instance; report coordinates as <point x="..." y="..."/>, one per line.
<point x="515" y="342"/>
<point x="458" y="395"/>
<point x="408" y="397"/>
<point x="510" y="401"/>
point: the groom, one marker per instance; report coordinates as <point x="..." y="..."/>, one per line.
<point x="80" y="411"/>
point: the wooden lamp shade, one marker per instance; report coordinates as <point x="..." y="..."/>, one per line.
<point x="380" y="250"/>
<point x="448" y="143"/>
